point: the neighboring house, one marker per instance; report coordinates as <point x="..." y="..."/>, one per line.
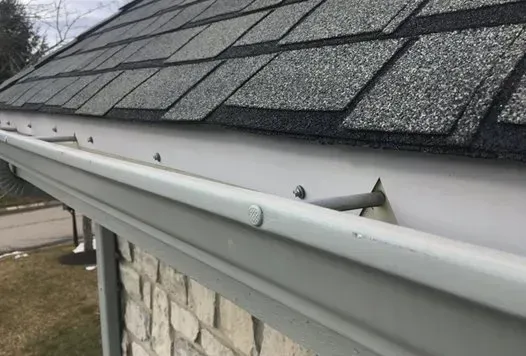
<point x="346" y="174"/>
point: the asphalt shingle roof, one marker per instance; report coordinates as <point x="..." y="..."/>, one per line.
<point x="444" y="76"/>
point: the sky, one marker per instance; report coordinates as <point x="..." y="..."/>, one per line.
<point x="81" y="14"/>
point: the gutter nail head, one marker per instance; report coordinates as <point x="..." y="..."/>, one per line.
<point x="299" y="192"/>
<point x="255" y="215"/>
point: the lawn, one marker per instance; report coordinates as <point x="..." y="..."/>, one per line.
<point x="47" y="309"/>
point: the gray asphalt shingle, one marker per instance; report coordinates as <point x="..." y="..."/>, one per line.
<point x="216" y="88"/>
<point x="107" y="97"/>
<point x="334" y="18"/>
<point x="160" y="21"/>
<point x="427" y="89"/>
<point x="186" y="15"/>
<point x="277" y="23"/>
<point x="441" y="6"/>
<point x="71" y="90"/>
<point x="216" y="38"/>
<point x="102" y="58"/>
<point x="324" y="78"/>
<point x="91" y="89"/>
<point x="260" y="4"/>
<point x="163" y="46"/>
<point x="123" y="54"/>
<point x="223" y="7"/>
<point x="165" y="87"/>
<point x="24" y="98"/>
<point x="14" y="92"/>
<point x="50" y="90"/>
<point x="515" y="110"/>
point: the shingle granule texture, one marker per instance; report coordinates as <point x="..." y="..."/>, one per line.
<point x="214" y="90"/>
<point x="427" y="89"/>
<point x="441" y="6"/>
<point x="315" y="79"/>
<point x="164" y="46"/>
<point x="277" y="23"/>
<point x="216" y="38"/>
<point x="89" y="90"/>
<point x="336" y="18"/>
<point x="165" y="87"/>
<point x="108" y="96"/>
<point x="515" y="110"/>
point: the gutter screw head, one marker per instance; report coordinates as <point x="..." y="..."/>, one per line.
<point x="157" y="157"/>
<point x="29" y="125"/>
<point x="54" y="129"/>
<point x="255" y="215"/>
<point x="299" y="192"/>
<point x="90" y="139"/>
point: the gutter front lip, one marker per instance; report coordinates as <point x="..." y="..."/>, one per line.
<point x="485" y="276"/>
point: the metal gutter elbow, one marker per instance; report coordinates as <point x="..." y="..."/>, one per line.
<point x="14" y="186"/>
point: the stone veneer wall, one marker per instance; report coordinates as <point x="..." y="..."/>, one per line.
<point x="166" y="313"/>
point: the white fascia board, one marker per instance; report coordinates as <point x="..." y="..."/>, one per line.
<point x="472" y="200"/>
<point x="336" y="282"/>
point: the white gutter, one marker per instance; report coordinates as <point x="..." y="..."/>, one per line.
<point x="335" y="281"/>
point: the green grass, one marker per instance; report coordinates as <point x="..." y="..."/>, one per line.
<point x="47" y="309"/>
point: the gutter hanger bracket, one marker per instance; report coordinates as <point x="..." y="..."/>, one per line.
<point x="351" y="202"/>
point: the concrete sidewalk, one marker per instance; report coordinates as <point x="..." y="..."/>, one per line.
<point x="36" y="228"/>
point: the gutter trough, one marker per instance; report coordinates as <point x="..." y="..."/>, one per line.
<point x="338" y="283"/>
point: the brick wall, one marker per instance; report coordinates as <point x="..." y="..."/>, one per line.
<point x="166" y="313"/>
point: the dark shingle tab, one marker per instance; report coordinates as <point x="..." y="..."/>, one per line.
<point x="324" y="78"/>
<point x="63" y="96"/>
<point x="50" y="90"/>
<point x="515" y="110"/>
<point x="335" y="18"/>
<point x="138" y="29"/>
<point x="223" y="7"/>
<point x="163" y="46"/>
<point x="441" y="6"/>
<point x="277" y="23"/>
<point x="102" y="58"/>
<point x="216" y="88"/>
<point x="14" y="92"/>
<point x="123" y="54"/>
<point x="168" y="85"/>
<point x="38" y="86"/>
<point x="91" y="89"/>
<point x="107" y="97"/>
<point x="260" y="4"/>
<point x="216" y="38"/>
<point x="427" y="89"/>
<point x="160" y="21"/>
<point x="185" y="16"/>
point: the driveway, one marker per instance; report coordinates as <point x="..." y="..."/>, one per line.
<point x="36" y="228"/>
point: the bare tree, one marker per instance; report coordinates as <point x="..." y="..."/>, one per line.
<point x="62" y="20"/>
